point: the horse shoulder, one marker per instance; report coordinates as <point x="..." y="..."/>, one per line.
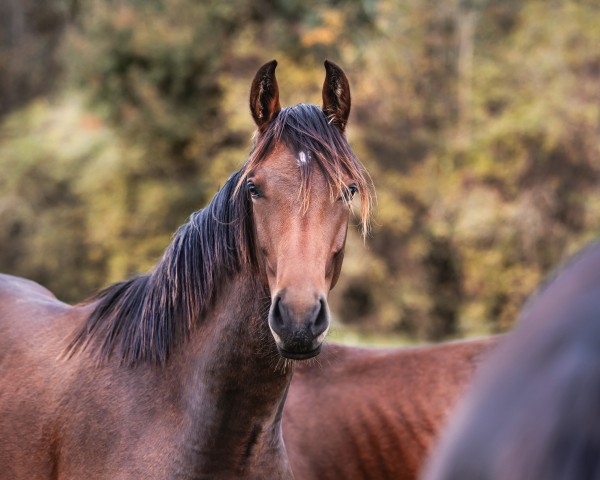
<point x="32" y="334"/>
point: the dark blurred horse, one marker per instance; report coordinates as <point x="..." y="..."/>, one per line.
<point x="534" y="409"/>
<point x="360" y="413"/>
<point x="182" y="373"/>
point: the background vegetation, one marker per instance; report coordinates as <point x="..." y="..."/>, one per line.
<point x="479" y="121"/>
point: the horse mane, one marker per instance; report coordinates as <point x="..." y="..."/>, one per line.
<point x="146" y="317"/>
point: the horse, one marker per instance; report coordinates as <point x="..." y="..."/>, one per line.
<point x="377" y="411"/>
<point x="532" y="411"/>
<point x="182" y="372"/>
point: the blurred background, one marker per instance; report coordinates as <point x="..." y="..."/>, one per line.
<point x="478" y="120"/>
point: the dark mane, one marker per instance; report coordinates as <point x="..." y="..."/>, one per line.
<point x="143" y="318"/>
<point x="306" y="128"/>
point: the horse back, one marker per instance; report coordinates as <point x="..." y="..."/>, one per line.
<point x="28" y="311"/>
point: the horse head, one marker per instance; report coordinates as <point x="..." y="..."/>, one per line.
<point x="301" y="178"/>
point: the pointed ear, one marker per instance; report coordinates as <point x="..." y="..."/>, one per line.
<point x="264" y="95"/>
<point x="336" y="95"/>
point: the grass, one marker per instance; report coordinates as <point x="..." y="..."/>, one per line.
<point x="352" y="336"/>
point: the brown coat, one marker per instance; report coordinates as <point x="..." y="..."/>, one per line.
<point x="358" y="413"/>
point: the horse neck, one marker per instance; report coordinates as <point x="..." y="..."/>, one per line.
<point x="235" y="387"/>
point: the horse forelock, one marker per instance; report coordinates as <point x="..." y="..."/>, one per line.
<point x="316" y="143"/>
<point x="145" y="318"/>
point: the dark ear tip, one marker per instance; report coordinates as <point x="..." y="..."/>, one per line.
<point x="331" y="66"/>
<point x="269" y="66"/>
<point x="268" y="69"/>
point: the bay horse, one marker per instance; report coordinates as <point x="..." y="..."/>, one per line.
<point x="378" y="411"/>
<point x="533" y="409"/>
<point x="182" y="372"/>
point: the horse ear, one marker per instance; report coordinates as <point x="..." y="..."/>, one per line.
<point x="264" y="95"/>
<point x="336" y="95"/>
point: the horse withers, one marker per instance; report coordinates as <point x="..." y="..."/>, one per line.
<point x="532" y="411"/>
<point x="182" y="372"/>
<point x="378" y="411"/>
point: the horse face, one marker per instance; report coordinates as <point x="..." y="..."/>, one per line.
<point x="300" y="221"/>
<point x="301" y="237"/>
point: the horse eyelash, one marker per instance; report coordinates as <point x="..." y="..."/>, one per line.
<point x="349" y="192"/>
<point x="253" y="190"/>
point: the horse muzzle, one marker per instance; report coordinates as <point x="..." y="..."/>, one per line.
<point x="298" y="328"/>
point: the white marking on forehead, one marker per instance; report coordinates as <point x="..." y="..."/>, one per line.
<point x="303" y="158"/>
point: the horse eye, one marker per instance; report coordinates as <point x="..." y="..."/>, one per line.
<point x="349" y="192"/>
<point x="252" y="190"/>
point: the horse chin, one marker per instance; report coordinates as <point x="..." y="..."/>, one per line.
<point x="299" y="355"/>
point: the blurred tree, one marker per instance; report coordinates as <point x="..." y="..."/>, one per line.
<point x="535" y="151"/>
<point x="481" y="126"/>
<point x="43" y="154"/>
<point x="29" y="35"/>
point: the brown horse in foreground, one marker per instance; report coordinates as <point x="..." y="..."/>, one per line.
<point x="533" y="409"/>
<point x="179" y="373"/>
<point x="358" y="413"/>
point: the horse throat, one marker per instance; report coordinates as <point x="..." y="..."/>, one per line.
<point x="235" y="388"/>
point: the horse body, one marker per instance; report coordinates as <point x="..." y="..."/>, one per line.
<point x="378" y="410"/>
<point x="200" y="416"/>
<point x="181" y="373"/>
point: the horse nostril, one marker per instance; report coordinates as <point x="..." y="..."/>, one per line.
<point x="300" y="325"/>
<point x="277" y="319"/>
<point x="321" y="321"/>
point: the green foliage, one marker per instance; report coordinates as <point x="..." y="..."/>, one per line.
<point x="478" y="121"/>
<point x="42" y="213"/>
<point x="508" y="187"/>
<point x="142" y="66"/>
